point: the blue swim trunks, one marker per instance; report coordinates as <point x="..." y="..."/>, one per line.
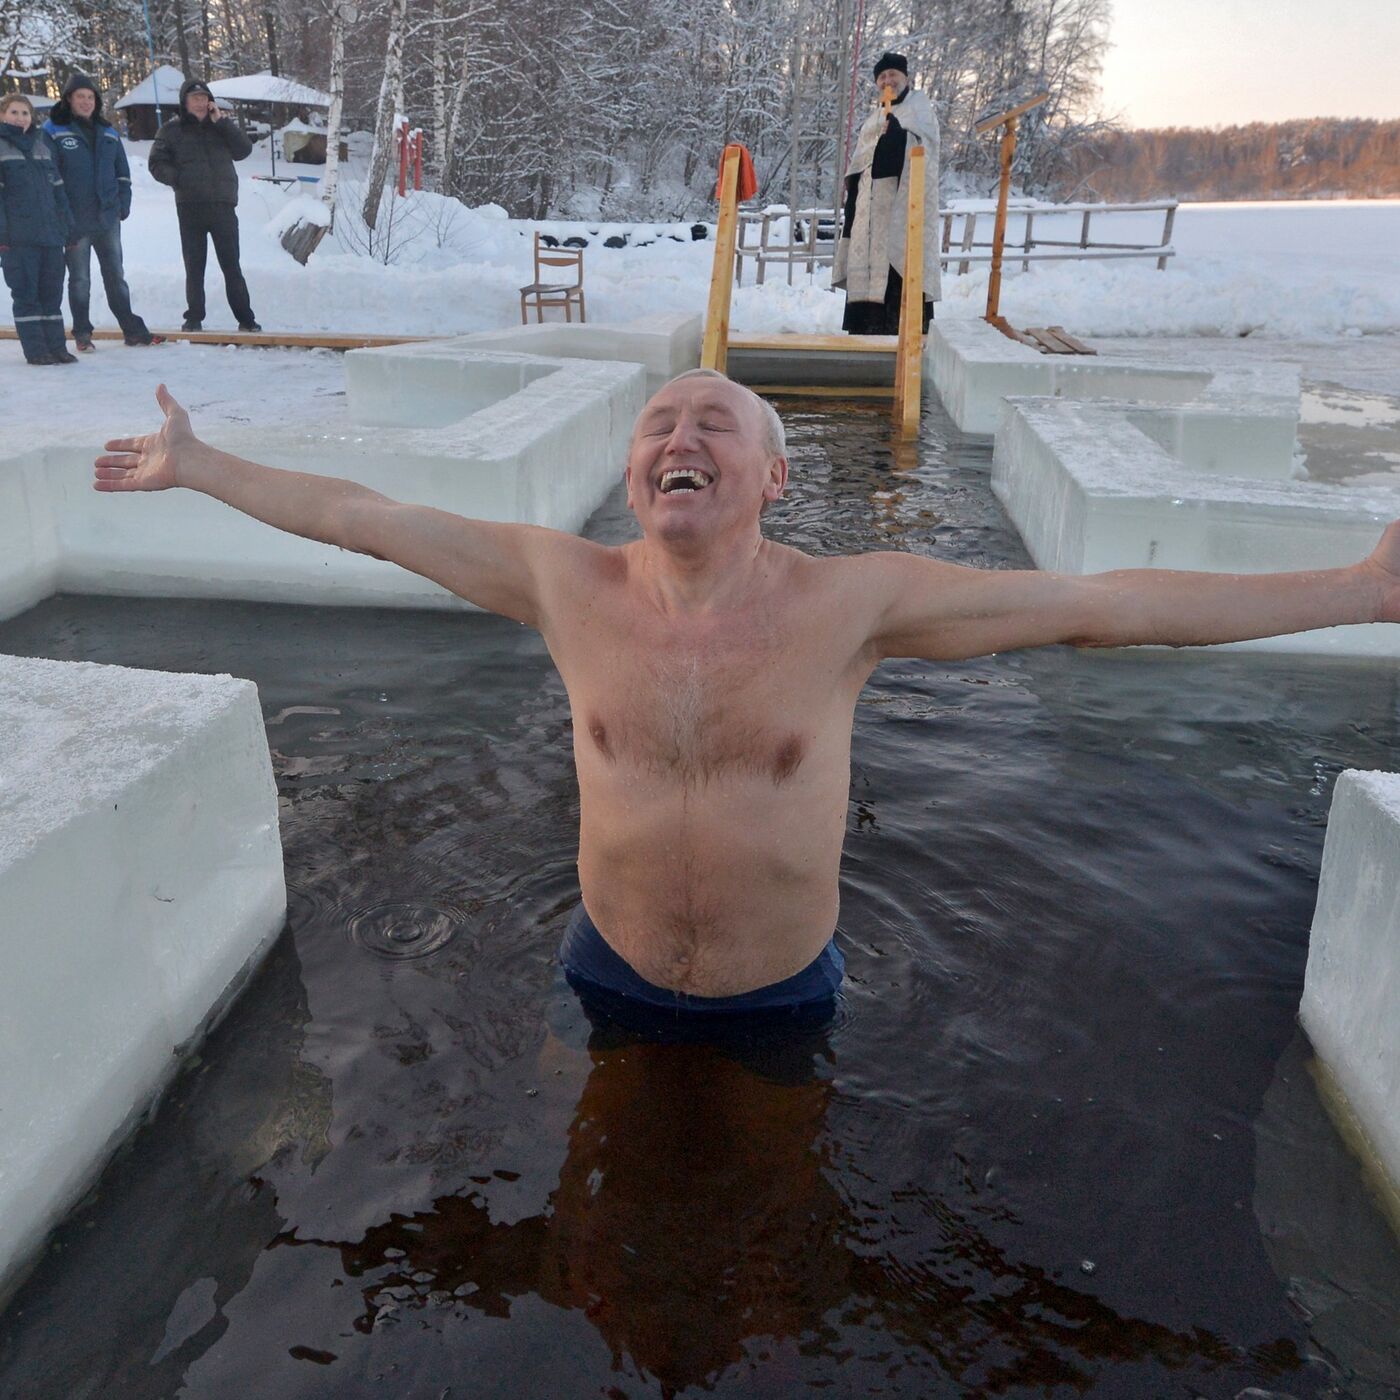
<point x="607" y="981"/>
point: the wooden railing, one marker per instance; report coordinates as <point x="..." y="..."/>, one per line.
<point x="959" y="244"/>
<point x="909" y="357"/>
<point x="714" y="351"/>
<point x="811" y="250"/>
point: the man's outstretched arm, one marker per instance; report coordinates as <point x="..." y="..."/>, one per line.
<point x="944" y="611"/>
<point x="492" y="565"/>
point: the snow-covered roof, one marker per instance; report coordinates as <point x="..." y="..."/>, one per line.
<point x="265" y="87"/>
<point x="161" y="88"/>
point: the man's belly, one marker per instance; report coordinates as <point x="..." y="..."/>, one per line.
<point x="715" y="889"/>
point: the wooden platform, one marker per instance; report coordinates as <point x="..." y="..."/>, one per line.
<point x="827" y="366"/>
<point x="840" y="344"/>
<point x="273" y="340"/>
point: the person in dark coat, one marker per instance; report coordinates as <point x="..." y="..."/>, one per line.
<point x="34" y="226"/>
<point x="194" y="154"/>
<point x="97" y="181"/>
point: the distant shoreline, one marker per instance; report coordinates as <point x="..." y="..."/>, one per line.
<point x="1322" y="158"/>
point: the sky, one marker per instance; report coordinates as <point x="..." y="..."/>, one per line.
<point x="1224" y="62"/>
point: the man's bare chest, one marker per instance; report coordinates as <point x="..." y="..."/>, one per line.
<point x="748" y="702"/>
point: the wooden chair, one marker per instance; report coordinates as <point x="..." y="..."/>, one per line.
<point x="540" y="293"/>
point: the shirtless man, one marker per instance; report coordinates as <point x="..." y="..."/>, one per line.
<point x="713" y="675"/>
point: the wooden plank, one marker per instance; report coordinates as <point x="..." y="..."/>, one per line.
<point x="843" y="344"/>
<point x="910" y="358"/>
<point x="1011" y="333"/>
<point x="988" y="123"/>
<point x="714" y="353"/>
<point x="270" y="340"/>
<point x="1076" y="345"/>
<point x="824" y="391"/>
<point x="1046" y="342"/>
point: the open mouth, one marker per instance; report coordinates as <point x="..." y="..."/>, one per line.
<point x="684" y="479"/>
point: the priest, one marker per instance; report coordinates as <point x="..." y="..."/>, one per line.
<point x="870" y="256"/>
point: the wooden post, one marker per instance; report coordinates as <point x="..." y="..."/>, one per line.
<point x="715" y="353"/>
<point x="969" y="237"/>
<point x="1166" y="236"/>
<point x="1008" y="121"/>
<point x="1008" y="154"/>
<point x="908" y="360"/>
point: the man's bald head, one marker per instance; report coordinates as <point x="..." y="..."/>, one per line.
<point x="774" y="438"/>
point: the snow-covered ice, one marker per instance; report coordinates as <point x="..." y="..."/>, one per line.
<point x="489" y="434"/>
<point x="1090" y="491"/>
<point x="1352" y="986"/>
<point x="140" y="879"/>
<point x="974" y="368"/>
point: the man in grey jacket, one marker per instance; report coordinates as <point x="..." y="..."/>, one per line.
<point x="194" y="153"/>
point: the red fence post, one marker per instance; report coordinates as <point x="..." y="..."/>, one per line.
<point x="403" y="155"/>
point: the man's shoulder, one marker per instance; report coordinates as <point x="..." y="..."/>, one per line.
<point x="876" y="572"/>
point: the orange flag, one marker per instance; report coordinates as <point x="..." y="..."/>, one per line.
<point x="748" y="180"/>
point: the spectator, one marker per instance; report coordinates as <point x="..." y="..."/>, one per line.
<point x="34" y="225"/>
<point x="194" y="153"/>
<point x="97" y="181"/>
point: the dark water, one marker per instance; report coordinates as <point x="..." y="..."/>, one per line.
<point x="1062" y="1139"/>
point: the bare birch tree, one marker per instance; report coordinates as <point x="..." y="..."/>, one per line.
<point x="390" y="85"/>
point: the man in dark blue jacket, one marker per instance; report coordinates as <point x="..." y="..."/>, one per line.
<point x="194" y="154"/>
<point x="97" y="181"/>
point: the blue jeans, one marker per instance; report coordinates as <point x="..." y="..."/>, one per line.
<point x="107" y="244"/>
<point x="35" y="279"/>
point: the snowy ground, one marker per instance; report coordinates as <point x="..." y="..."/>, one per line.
<point x="1317" y="283"/>
<point x="1290" y="269"/>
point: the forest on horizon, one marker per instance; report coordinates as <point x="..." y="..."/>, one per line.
<point x="1312" y="158"/>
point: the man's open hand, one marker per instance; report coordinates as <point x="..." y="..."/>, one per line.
<point x="149" y="463"/>
<point x="1384" y="564"/>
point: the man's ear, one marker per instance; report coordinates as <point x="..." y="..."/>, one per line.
<point x="776" y="484"/>
<point x="627" y="477"/>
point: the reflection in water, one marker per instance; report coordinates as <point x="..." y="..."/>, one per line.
<point x="1350" y="438"/>
<point x="699" y="1218"/>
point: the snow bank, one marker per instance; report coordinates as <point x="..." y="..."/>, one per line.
<point x="1275" y="269"/>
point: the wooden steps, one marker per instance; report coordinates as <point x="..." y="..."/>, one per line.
<point x="841" y="344"/>
<point x="823" y="366"/>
